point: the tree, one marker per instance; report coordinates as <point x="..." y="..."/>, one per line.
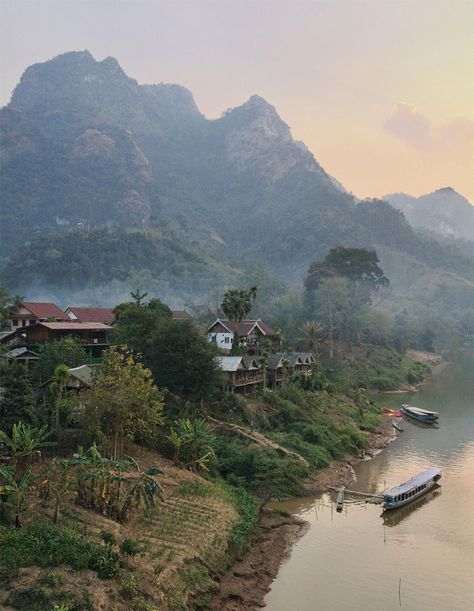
<point x="123" y="401"/>
<point x="134" y="323"/>
<point x="9" y="304"/>
<point x="312" y="331"/>
<point x="137" y="296"/>
<point x="67" y="351"/>
<point x="237" y="303"/>
<point x="182" y="359"/>
<point x="16" y="397"/>
<point x="359" y="268"/>
<point x="358" y="265"/>
<point x="60" y="377"/>
<point x="331" y="303"/>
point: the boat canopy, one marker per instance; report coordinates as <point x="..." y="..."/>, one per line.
<point x="418" y="410"/>
<point x="414" y="482"/>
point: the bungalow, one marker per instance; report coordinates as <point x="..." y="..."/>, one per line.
<point x="31" y="312"/>
<point x="250" y="332"/>
<point x="21" y="355"/>
<point x="78" y="378"/>
<point x="80" y="314"/>
<point x="300" y="362"/>
<point x="281" y="366"/>
<point x="240" y="373"/>
<point x="276" y="369"/>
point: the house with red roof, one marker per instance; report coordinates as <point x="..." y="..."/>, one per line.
<point x="250" y="333"/>
<point x="32" y="312"/>
<point x="180" y="315"/>
<point x="81" y="314"/>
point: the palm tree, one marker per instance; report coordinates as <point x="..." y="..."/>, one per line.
<point x="312" y="331"/>
<point x="237" y="303"/>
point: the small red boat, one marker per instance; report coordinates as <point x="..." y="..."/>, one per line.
<point x="392" y="412"/>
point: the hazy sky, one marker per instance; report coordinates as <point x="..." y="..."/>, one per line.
<point x="381" y="91"/>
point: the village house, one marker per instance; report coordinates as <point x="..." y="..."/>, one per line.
<point x="250" y="333"/>
<point x="92" y="335"/>
<point x="21" y="355"/>
<point x="240" y="373"/>
<point x="78" y="379"/>
<point x="82" y="314"/>
<point x="180" y="315"/>
<point x="31" y="312"/>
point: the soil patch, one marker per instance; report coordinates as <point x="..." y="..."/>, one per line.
<point x="245" y="585"/>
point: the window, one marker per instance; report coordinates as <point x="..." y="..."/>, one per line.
<point x="15" y="322"/>
<point x="226" y="340"/>
<point x="23" y="323"/>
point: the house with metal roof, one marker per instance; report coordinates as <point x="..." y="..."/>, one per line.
<point x="21" y="355"/>
<point x="250" y="333"/>
<point x="240" y="373"/>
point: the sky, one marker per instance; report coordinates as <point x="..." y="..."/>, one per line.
<point x="381" y="91"/>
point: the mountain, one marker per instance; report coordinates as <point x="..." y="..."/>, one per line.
<point x="444" y="211"/>
<point x="86" y="151"/>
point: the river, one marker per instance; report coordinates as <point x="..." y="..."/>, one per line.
<point x="420" y="557"/>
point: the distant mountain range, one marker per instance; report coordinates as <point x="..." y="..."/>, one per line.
<point x="444" y="211"/>
<point x="86" y="150"/>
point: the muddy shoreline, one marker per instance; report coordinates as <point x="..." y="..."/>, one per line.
<point x="247" y="582"/>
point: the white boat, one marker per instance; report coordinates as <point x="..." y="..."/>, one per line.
<point x="412" y="489"/>
<point x="422" y="415"/>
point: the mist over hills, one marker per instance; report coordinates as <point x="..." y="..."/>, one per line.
<point x="88" y="152"/>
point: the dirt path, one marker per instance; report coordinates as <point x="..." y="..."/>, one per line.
<point x="258" y="438"/>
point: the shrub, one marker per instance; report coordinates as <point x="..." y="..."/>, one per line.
<point x="130" y="547"/>
<point x="108" y="538"/>
<point x="45" y="544"/>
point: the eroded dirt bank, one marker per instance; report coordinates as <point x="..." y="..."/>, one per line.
<point x="246" y="583"/>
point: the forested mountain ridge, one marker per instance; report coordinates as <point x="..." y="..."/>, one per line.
<point x="85" y="148"/>
<point x="444" y="211"/>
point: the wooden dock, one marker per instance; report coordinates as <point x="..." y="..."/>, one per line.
<point x="377" y="499"/>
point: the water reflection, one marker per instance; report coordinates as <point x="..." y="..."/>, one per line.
<point x="393" y="517"/>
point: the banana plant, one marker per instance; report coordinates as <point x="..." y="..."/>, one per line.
<point x="15" y="491"/>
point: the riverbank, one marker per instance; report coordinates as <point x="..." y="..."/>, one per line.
<point x="247" y="582"/>
<point x="433" y="360"/>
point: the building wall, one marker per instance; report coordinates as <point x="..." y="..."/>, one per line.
<point x="22" y="318"/>
<point x="223" y="340"/>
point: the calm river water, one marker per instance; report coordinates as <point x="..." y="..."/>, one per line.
<point x="420" y="557"/>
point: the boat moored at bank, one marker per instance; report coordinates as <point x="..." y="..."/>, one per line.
<point x="422" y="415"/>
<point x="412" y="489"/>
